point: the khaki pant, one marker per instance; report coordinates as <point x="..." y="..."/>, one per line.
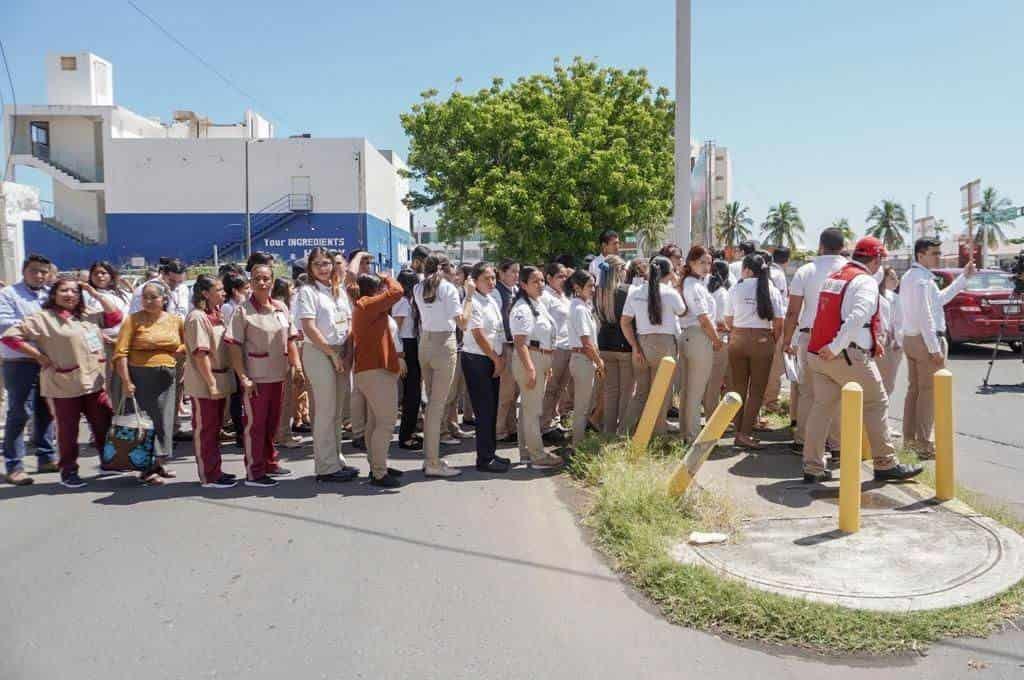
<point x="357" y="407"/>
<point x="531" y="401"/>
<point x="508" y="391"/>
<point x="829" y="377"/>
<point x="379" y="387"/>
<point x="558" y="385"/>
<point x="807" y="396"/>
<point x="919" y="406"/>
<point x="618" y="390"/>
<point x="719" y="369"/>
<point x="889" y="366"/>
<point x="284" y="423"/>
<point x="695" y="357"/>
<point x="437" y="364"/>
<point x="331" y="391"/>
<point x="750" y="360"/>
<point x="450" y="417"/>
<point x="655" y="348"/>
<point x="774" y="387"/>
<point x="583" y="376"/>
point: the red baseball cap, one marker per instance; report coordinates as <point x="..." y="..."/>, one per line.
<point x="871" y="247"/>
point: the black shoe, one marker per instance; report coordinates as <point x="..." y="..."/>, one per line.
<point x="898" y="473"/>
<point x="279" y="472"/>
<point x="394" y="472"/>
<point x="798" y="448"/>
<point x="263" y="481"/>
<point x="351" y="468"/>
<point x="359" y="444"/>
<point x="71" y="480"/>
<point x="341" y="475"/>
<point x="673" y="413"/>
<point x="412" y="444"/>
<point x="469" y="422"/>
<point x="182" y="436"/>
<point x="387" y="482"/>
<point x="552" y="437"/>
<point x="825" y="476"/>
<point x="503" y="459"/>
<point x="228" y="475"/>
<point x="493" y="465"/>
<point x="509" y="439"/>
<point x="222" y="482"/>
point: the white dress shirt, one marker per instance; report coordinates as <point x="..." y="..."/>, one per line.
<point x="403" y="309"/>
<point x="332" y="315"/>
<point x="921" y="303"/>
<point x="581" y="324"/>
<point x="736" y="270"/>
<point x="438" y="316"/>
<point x="892" y="324"/>
<point x="698" y="302"/>
<point x="595" y="268"/>
<point x="778" y="277"/>
<point x="860" y="302"/>
<point x="486" y="316"/>
<point x="179" y="300"/>
<point x="807" y="283"/>
<point x="671" y="307"/>
<point x="743" y="305"/>
<point x="558" y="307"/>
<point x="721" y="296"/>
<point x="539" y="328"/>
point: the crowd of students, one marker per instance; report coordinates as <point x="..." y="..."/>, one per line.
<point x="535" y="355"/>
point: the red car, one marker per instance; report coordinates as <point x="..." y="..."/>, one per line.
<point x="976" y="313"/>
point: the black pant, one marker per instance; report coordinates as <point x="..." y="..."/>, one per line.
<point x="483" y="394"/>
<point x="412" y="389"/>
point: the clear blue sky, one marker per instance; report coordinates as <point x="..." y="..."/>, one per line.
<point x="832" y="105"/>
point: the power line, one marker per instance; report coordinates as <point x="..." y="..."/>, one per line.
<point x="199" y="58"/>
<point x="14" y="100"/>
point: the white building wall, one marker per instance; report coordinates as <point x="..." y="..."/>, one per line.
<point x="174" y="175"/>
<point x="74" y="144"/>
<point x="384" y="187"/>
<point x="80" y="210"/>
<point x="91" y="83"/>
<point x="18" y="202"/>
<point x="125" y="124"/>
<point x="279" y="166"/>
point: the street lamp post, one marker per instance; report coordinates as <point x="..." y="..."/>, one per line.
<point x="681" y="202"/>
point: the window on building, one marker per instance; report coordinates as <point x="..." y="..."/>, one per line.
<point x="69" y="63"/>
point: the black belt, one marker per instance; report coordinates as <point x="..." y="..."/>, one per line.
<point x="805" y="330"/>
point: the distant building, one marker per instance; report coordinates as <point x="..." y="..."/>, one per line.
<point x="130" y="188"/>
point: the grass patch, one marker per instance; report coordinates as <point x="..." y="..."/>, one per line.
<point x="635" y="523"/>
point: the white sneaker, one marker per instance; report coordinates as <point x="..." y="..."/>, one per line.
<point x="448" y="440"/>
<point x="441" y="470"/>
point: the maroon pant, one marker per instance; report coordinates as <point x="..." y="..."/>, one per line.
<point x="261" y="412"/>
<point x="67" y="411"/>
<point x="207" y="416"/>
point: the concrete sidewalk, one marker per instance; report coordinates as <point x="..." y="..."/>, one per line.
<point x="910" y="554"/>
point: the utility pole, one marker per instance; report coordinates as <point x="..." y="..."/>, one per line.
<point x="248" y="215"/>
<point x="970" y="198"/>
<point x="681" y="203"/>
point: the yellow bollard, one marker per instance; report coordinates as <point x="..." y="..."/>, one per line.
<point x="852" y="436"/>
<point x="704" y="444"/>
<point x="945" y="466"/>
<point x="655" y="401"/>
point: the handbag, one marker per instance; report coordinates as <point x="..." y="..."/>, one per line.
<point x="131" y="440"/>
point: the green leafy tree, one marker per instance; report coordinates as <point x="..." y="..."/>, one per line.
<point x="887" y="221"/>
<point x="783" y="225"/>
<point x="543" y="165"/>
<point x="843" y="225"/>
<point x="992" y="219"/>
<point x="734" y="224"/>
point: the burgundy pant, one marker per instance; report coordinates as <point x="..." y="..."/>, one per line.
<point x="207" y="416"/>
<point x="67" y="411"/>
<point x="261" y="412"/>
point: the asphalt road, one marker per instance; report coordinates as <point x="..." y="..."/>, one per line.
<point x="989" y="423"/>
<point x="475" y="578"/>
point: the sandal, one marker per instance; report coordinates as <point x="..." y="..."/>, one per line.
<point x="152" y="479"/>
<point x="165" y="473"/>
<point x="748" y="442"/>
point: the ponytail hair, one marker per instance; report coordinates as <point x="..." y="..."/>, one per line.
<point x="525" y="272"/>
<point x="578" y="281"/>
<point x="757" y="265"/>
<point x="203" y="284"/>
<point x="604" y="295"/>
<point x="719" y="276"/>
<point x="660" y="267"/>
<point x="433" y="269"/>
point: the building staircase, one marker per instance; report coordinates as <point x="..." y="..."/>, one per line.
<point x="271" y="217"/>
<point x="60" y="173"/>
<point x="47" y="217"/>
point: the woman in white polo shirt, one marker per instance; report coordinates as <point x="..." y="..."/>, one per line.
<point x="556" y="298"/>
<point x="483" y="363"/>
<point x="656" y="307"/>
<point x="533" y="334"/>
<point x="586" y="362"/>
<point x="718" y="285"/>
<point x="755" y="317"/>
<point x="325" y="315"/>
<point x="700" y="340"/>
<point x="437" y="302"/>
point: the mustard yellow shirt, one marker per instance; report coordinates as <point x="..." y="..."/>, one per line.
<point x="150" y="344"/>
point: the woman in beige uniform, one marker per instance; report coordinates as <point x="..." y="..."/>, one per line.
<point x="67" y="343"/>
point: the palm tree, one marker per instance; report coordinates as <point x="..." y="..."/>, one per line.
<point x="888" y="221"/>
<point x="782" y="225"/>
<point x="992" y="218"/>
<point x="843" y="225"/>
<point x="734" y="224"/>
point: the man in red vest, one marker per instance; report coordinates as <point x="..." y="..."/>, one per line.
<point x="842" y="349"/>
